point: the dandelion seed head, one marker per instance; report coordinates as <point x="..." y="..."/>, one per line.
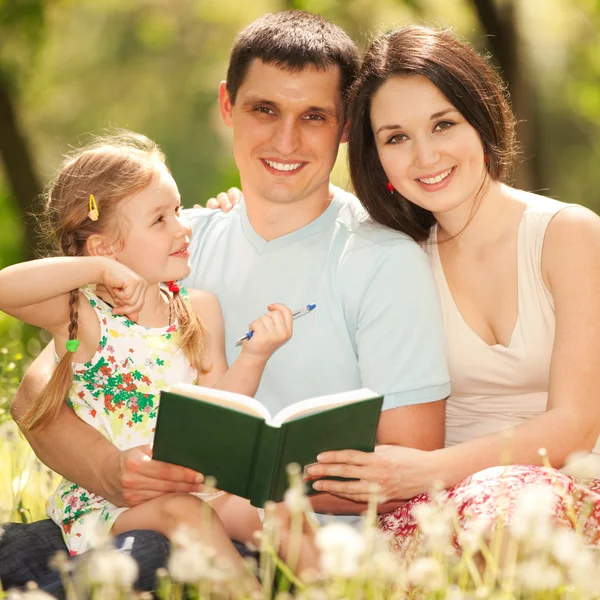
<point x="427" y="572"/>
<point x="539" y="575"/>
<point x="296" y="501"/>
<point x="186" y="565"/>
<point x="583" y="465"/>
<point x="109" y="566"/>
<point x="342" y="547"/>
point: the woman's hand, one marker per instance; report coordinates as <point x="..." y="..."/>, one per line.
<point x="225" y="200"/>
<point x="400" y="473"/>
<point x="271" y="331"/>
<point x="125" y="287"/>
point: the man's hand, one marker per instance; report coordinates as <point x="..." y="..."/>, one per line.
<point x="139" y="478"/>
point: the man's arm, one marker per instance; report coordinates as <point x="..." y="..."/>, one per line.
<point x="401" y="351"/>
<point x="83" y="455"/>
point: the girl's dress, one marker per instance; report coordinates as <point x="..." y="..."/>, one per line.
<point x="497" y="387"/>
<point x="116" y="392"/>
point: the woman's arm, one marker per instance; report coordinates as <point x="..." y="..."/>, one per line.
<point x="571" y="268"/>
<point x="419" y="428"/>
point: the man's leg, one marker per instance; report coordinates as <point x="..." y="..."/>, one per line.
<point x="26" y="549"/>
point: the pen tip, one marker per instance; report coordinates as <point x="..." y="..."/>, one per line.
<point x="312" y="306"/>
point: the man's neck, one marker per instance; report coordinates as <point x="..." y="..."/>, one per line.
<point x="271" y="220"/>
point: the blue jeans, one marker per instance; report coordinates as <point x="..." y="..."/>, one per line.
<point x="25" y="550"/>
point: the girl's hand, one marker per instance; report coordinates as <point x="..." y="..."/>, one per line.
<point x="400" y="473"/>
<point x="271" y="331"/>
<point x="126" y="288"/>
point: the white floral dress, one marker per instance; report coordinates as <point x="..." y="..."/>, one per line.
<point x="116" y="392"/>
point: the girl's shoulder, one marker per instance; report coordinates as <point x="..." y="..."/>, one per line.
<point x="204" y="303"/>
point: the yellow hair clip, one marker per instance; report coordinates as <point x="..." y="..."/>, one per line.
<point x="93" y="214"/>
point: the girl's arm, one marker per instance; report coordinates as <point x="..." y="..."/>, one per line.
<point x="37" y="291"/>
<point x="270" y="332"/>
<point x="571" y="269"/>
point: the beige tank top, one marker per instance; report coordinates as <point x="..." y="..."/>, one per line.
<point x="497" y="387"/>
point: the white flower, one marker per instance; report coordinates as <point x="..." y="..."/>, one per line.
<point x="428" y="573"/>
<point x="533" y="515"/>
<point x="34" y="593"/>
<point x="566" y="546"/>
<point x="471" y="536"/>
<point x="109" y="566"/>
<point x="455" y="593"/>
<point x="583" y="465"/>
<point x="189" y="565"/>
<point x="435" y="523"/>
<point x="296" y="501"/>
<point x="538" y="575"/>
<point x="341" y="548"/>
<point x="583" y="572"/>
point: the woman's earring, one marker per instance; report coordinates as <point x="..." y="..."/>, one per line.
<point x="485" y="158"/>
<point x="390" y="187"/>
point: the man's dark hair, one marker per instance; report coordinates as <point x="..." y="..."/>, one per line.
<point x="293" y="40"/>
<point x="466" y="79"/>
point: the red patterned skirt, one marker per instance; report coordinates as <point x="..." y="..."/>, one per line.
<point x="495" y="491"/>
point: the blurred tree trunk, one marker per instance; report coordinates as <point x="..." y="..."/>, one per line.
<point x="18" y="164"/>
<point x="499" y="21"/>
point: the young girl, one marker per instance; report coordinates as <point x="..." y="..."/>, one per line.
<point x="121" y="333"/>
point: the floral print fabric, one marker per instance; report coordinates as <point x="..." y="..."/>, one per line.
<point x="116" y="392"/>
<point x="496" y="491"/>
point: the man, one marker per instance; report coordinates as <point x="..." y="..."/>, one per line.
<point x="377" y="323"/>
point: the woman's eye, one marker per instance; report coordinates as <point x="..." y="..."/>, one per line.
<point x="443" y="125"/>
<point x="397" y="139"/>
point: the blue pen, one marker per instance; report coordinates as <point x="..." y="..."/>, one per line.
<point x="295" y="315"/>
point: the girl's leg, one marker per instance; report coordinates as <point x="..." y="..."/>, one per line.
<point x="241" y="521"/>
<point x="166" y="513"/>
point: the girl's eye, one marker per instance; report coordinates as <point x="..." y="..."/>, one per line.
<point x="443" y="125"/>
<point x="159" y="220"/>
<point x="178" y="210"/>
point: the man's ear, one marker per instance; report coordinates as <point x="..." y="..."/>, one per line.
<point x="97" y="245"/>
<point x="225" y="105"/>
<point x="345" y="132"/>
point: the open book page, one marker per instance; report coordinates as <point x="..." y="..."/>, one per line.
<point x="231" y="400"/>
<point x="319" y="404"/>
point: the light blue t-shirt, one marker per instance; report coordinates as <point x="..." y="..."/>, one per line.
<point x="377" y="322"/>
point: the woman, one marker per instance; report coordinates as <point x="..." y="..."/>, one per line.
<point x="431" y="144"/>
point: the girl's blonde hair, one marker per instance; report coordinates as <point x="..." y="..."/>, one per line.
<point x="112" y="168"/>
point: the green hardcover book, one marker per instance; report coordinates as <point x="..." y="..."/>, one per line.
<point x="234" y="438"/>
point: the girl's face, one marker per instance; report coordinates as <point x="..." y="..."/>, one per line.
<point x="429" y="152"/>
<point x="156" y="242"/>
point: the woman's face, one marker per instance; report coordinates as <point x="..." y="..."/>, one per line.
<point x="428" y="150"/>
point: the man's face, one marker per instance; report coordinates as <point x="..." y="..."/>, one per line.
<point x="287" y="127"/>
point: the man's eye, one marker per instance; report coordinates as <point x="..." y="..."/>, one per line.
<point x="265" y="110"/>
<point x="314" y="118"/>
